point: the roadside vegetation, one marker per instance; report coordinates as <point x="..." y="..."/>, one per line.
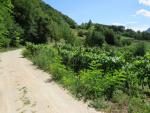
<point x="116" y="81"/>
<point x="106" y="66"/>
<point x="7" y="49"/>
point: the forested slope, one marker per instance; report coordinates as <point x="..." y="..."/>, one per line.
<point x="6" y="22"/>
<point x="37" y="22"/>
<point x="33" y="21"/>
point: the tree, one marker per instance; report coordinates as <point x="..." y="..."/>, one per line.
<point x="5" y="22"/>
<point x="70" y="22"/>
<point x="139" y="49"/>
<point x="95" y="39"/>
<point x="89" y="24"/>
<point x="110" y="37"/>
<point x="42" y="23"/>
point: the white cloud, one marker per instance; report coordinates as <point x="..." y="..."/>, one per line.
<point x="117" y="24"/>
<point x="132" y="22"/>
<point x="133" y="25"/>
<point x="127" y="23"/>
<point x="145" y="2"/>
<point x="143" y="12"/>
<point x="138" y="27"/>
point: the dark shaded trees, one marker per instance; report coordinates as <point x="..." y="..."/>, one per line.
<point x="95" y="39"/>
<point x="6" y="22"/>
<point x="30" y="17"/>
<point x="110" y="37"/>
<point x="42" y="23"/>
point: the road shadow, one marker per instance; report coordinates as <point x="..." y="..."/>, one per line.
<point x="49" y="80"/>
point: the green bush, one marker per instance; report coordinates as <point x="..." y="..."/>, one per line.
<point x="137" y="105"/>
<point x="4" y="42"/>
<point x="108" y="79"/>
<point x="70" y="82"/>
<point x="120" y="98"/>
<point x="110" y="37"/>
<point x="95" y="39"/>
<point x="82" y="33"/>
<point x="88" y="79"/>
<point x="58" y="71"/>
<point x="126" y="42"/>
<point x="139" y="49"/>
<point x="99" y="104"/>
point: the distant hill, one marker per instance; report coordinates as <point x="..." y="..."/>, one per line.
<point x="148" y="30"/>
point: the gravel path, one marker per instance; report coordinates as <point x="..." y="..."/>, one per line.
<point x="26" y="89"/>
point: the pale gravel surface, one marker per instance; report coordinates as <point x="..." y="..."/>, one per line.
<point x="24" y="89"/>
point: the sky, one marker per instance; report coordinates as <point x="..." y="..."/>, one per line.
<point x="134" y="14"/>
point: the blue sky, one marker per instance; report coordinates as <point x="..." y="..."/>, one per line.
<point x="133" y="14"/>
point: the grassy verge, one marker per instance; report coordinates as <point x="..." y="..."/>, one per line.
<point x="114" y="90"/>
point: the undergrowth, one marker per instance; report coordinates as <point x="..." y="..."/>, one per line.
<point x="108" y="80"/>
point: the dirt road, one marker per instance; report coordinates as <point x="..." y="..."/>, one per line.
<point x="26" y="89"/>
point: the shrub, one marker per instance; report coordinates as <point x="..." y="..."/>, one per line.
<point x="69" y="81"/>
<point x="97" y="75"/>
<point x="99" y="104"/>
<point x="58" y="71"/>
<point x="111" y="38"/>
<point x="88" y="79"/>
<point x="4" y="42"/>
<point x="120" y="98"/>
<point x="137" y="105"/>
<point x="126" y="42"/>
<point x="139" y="49"/>
<point x="82" y="33"/>
<point x="95" y="39"/>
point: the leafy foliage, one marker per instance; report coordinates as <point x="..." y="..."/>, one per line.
<point x="10" y="32"/>
<point x="96" y="74"/>
<point x="95" y="39"/>
<point x="41" y="22"/>
<point x="101" y="70"/>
